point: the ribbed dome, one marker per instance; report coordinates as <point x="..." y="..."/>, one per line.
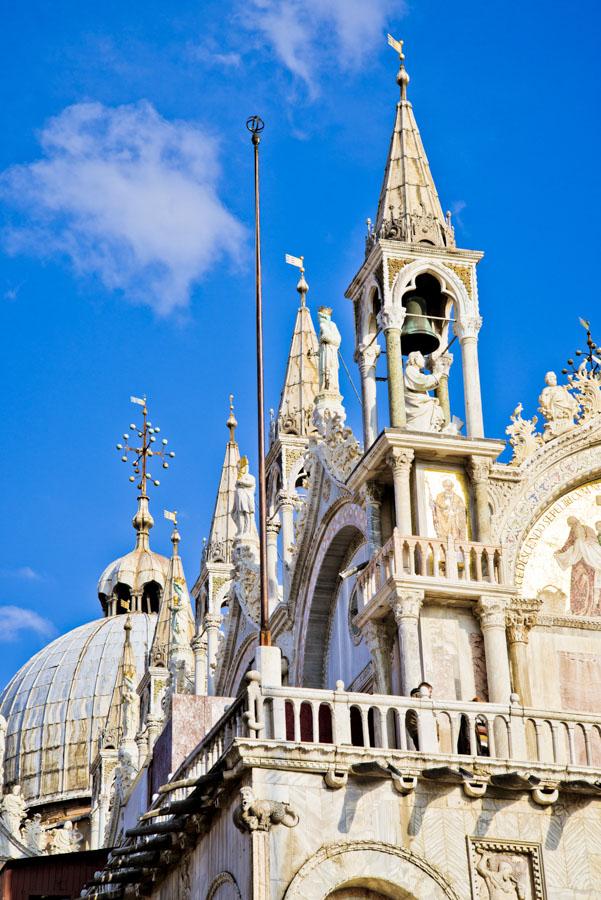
<point x="135" y="569"/>
<point x="57" y="703"/>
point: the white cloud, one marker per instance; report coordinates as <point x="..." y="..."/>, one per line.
<point x="14" y="620"/>
<point x="126" y="196"/>
<point x="308" y="35"/>
<point x="24" y="572"/>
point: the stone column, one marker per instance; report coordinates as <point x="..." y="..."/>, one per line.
<point x="406" y="607"/>
<point x="491" y="612"/>
<point x="367" y="355"/>
<point x="212" y="622"/>
<point x="479" y="469"/>
<point x="372" y="499"/>
<point x="391" y="320"/>
<point x="379" y="639"/>
<point x="519" y="622"/>
<point x="467" y="330"/>
<point x="273" y="594"/>
<point x="199" y="647"/>
<point x="441" y="367"/>
<point x="400" y="461"/>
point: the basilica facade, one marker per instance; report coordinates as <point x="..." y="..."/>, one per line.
<point x="426" y="722"/>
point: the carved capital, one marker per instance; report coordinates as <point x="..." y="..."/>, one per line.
<point x="479" y="469"/>
<point x="371" y="494"/>
<point x="391" y="317"/>
<point x="199" y="644"/>
<point x="521" y="616"/>
<point x="491" y="611"/>
<point x="272" y="527"/>
<point x="367" y="354"/>
<point x="261" y="815"/>
<point x="212" y="620"/>
<point x="468" y="327"/>
<point x="406" y="605"/>
<point x="400" y="460"/>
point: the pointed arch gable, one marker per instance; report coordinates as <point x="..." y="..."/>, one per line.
<point x="342" y="533"/>
<point x="450" y="284"/>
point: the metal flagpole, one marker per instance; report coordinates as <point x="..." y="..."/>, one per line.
<point x="256" y="125"/>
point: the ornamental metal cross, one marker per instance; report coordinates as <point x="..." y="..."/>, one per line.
<point x="147" y="435"/>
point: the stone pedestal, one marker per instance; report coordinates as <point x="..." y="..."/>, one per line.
<point x="406" y="607"/>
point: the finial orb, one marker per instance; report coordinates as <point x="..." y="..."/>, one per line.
<point x="164" y="441"/>
<point x="132" y="427"/>
<point x="131" y="478"/>
<point x="165" y="465"/>
<point x="152" y="439"/>
<point x="124" y="459"/>
<point x="172" y="454"/>
<point x="119" y="446"/>
<point x="255" y="124"/>
<point x="156" y="483"/>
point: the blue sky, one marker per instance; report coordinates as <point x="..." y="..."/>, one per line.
<point x="125" y="234"/>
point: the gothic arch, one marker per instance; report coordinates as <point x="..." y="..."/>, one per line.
<point x="230" y="679"/>
<point x="451" y="284"/>
<point x="403" y="874"/>
<point x="343" y="533"/>
<point x="365" y="312"/>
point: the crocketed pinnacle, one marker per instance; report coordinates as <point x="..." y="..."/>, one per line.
<point x="223" y="527"/>
<point x="175" y="624"/>
<point x="409" y="209"/>
<point x="301" y="383"/>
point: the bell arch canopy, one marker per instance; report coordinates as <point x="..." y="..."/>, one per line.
<point x="334" y="545"/>
<point x="450" y="283"/>
<point x="386" y="870"/>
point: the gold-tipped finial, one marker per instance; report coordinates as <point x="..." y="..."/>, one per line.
<point x="232" y="422"/>
<point x="302" y="287"/>
<point x="402" y="75"/>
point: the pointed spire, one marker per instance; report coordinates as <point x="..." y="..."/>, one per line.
<point x="409" y="209"/>
<point x="117" y="722"/>
<point x="223" y="526"/>
<point x="175" y="625"/>
<point x="301" y="383"/>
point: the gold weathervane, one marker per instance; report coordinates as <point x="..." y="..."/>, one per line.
<point x="396" y="45"/>
<point x="147" y="436"/>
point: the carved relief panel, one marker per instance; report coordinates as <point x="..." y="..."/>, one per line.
<point x="502" y="870"/>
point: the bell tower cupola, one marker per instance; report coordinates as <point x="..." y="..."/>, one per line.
<point x="415" y="296"/>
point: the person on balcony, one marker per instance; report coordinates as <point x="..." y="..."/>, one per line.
<point x="481" y="731"/>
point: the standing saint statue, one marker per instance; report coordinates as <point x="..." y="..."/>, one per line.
<point x="581" y="553"/>
<point x="449" y="513"/>
<point x="424" y="413"/>
<point x="329" y="342"/>
<point x="244" y="500"/>
<point x="12" y="811"/>
<point x="558" y="407"/>
<point x="130" y="707"/>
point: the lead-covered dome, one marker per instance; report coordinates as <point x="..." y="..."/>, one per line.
<point x="57" y="703"/>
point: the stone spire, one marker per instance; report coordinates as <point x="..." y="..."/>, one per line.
<point x="223" y="526"/>
<point x="121" y="723"/>
<point x="301" y="384"/>
<point x="175" y="625"/>
<point x="409" y="209"/>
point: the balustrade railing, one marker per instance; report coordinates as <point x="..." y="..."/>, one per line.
<point x="422" y="557"/>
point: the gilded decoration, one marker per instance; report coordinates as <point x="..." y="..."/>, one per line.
<point x="394" y="267"/>
<point x="560" y="560"/>
<point x="291" y="457"/>
<point x="447" y="504"/>
<point x="464" y="274"/>
<point x="506" y="869"/>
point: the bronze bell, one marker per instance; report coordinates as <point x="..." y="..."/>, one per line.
<point x="417" y="332"/>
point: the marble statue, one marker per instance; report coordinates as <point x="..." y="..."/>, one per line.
<point x="130" y="707"/>
<point x="244" y="501"/>
<point x="329" y="342"/>
<point x="424" y="413"/>
<point x="449" y="513"/>
<point x="3" y="725"/>
<point x="12" y="810"/>
<point x="66" y="839"/>
<point x="33" y="835"/>
<point x="179" y="632"/>
<point x="557" y="406"/>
